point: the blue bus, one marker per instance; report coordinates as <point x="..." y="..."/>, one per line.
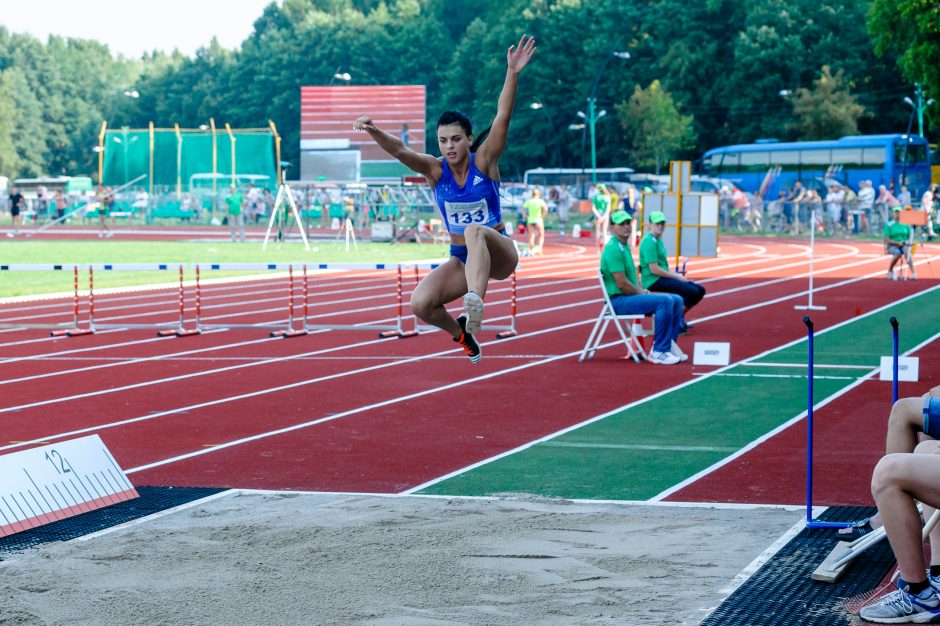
<point x="767" y="166"/>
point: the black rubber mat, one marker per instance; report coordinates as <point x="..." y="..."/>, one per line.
<point x="152" y="500"/>
<point x="782" y="592"/>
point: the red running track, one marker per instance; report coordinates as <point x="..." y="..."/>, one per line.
<point x="346" y="411"/>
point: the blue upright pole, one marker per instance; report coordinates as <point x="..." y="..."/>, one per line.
<point x="810" y="522"/>
<point x="894" y="362"/>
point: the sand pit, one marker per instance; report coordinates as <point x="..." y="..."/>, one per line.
<point x="252" y="558"/>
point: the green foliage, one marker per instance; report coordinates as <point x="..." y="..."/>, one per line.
<point x="911" y="28"/>
<point x="723" y="62"/>
<point x="828" y="109"/>
<point x="654" y="130"/>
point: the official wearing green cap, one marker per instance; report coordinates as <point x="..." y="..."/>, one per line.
<point x="629" y="298"/>
<point x="655" y="273"/>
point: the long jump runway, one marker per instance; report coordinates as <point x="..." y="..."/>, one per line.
<point x="346" y="411"/>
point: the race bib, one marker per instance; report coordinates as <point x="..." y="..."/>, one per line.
<point x="462" y="214"/>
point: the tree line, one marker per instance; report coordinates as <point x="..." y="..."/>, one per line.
<point x="698" y="75"/>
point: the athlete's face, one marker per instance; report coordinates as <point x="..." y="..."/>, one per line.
<point x="453" y="142"/>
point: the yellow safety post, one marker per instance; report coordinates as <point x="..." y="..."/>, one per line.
<point x="277" y="152"/>
<point x="151" y="159"/>
<point x="104" y="127"/>
<point x="232" y="139"/>
<point x="179" y="162"/>
<point x="215" y="163"/>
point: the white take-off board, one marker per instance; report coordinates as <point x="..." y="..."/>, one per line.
<point x="47" y="484"/>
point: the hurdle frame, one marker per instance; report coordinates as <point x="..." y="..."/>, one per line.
<point x="502" y="331"/>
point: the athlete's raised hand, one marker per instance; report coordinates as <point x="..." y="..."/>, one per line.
<point x="364" y="122"/>
<point x="517" y="57"/>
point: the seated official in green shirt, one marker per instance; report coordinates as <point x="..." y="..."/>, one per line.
<point x="629" y="298"/>
<point x="655" y="274"/>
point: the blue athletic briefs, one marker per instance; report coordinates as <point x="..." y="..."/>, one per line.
<point x="932" y="416"/>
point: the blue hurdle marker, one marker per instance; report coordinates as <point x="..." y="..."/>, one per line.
<point x="894" y="361"/>
<point x="810" y="522"/>
<point x="844" y="552"/>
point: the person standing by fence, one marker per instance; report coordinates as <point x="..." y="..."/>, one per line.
<point x="234" y="203"/>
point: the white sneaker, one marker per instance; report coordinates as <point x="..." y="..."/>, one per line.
<point x="664" y="358"/>
<point x="903" y="607"/>
<point x="11" y="235"/>
<point x="473" y="305"/>
<point x="676" y="350"/>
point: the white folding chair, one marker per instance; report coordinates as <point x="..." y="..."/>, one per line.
<point x="629" y="335"/>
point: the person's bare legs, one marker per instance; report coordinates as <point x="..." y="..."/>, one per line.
<point x="898" y="482"/>
<point x="541" y="244"/>
<point x="904" y="424"/>
<point x="489" y="255"/>
<point x="444" y="284"/>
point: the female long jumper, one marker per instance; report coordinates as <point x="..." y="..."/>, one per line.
<point x="466" y="186"/>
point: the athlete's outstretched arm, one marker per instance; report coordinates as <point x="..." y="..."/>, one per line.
<point x="424" y="164"/>
<point x="517" y="57"/>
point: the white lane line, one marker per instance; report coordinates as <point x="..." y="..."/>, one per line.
<point x="636" y="446"/>
<point x="309" y="381"/>
<point x="660" y="394"/>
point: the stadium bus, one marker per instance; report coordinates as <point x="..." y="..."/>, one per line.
<point x="576" y="176"/>
<point x="766" y="167"/>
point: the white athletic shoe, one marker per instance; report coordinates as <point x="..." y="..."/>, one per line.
<point x="664" y="358"/>
<point x="676" y="350"/>
<point x="473" y="305"/>
<point x="11" y="235"/>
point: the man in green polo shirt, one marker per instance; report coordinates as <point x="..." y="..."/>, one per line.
<point x="655" y="274"/>
<point x="628" y="298"/>
<point x="234" y="203"/>
<point x="898" y="242"/>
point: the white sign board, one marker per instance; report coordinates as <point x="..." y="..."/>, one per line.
<point x="711" y="353"/>
<point x="908" y="368"/>
<point x="46" y="484"/>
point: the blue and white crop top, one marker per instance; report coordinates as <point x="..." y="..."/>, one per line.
<point x="477" y="202"/>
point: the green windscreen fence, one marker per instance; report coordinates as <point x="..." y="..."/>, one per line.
<point x="185" y="157"/>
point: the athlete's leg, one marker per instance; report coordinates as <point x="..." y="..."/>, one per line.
<point x="489" y="255"/>
<point x="532" y="248"/>
<point x="904" y="423"/>
<point x="541" y="236"/>
<point x="899" y="480"/>
<point x="444" y="284"/>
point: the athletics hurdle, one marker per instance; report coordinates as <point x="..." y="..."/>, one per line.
<point x="291" y="331"/>
<point x="843" y="553"/>
<point x="385" y="330"/>
<point x="57" y="329"/>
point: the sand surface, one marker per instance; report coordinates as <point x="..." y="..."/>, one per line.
<point x="253" y="558"/>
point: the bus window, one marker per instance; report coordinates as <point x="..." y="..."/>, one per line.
<point x="848" y="158"/>
<point x="873" y="157"/>
<point x="788" y="160"/>
<point x="909" y="152"/>
<point x="753" y="162"/>
<point x="815" y="159"/>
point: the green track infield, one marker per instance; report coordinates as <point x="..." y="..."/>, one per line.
<point x="645" y="448"/>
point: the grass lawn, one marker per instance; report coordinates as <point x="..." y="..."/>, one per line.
<point x="174" y="252"/>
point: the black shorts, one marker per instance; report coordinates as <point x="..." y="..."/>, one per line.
<point x="15" y="211"/>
